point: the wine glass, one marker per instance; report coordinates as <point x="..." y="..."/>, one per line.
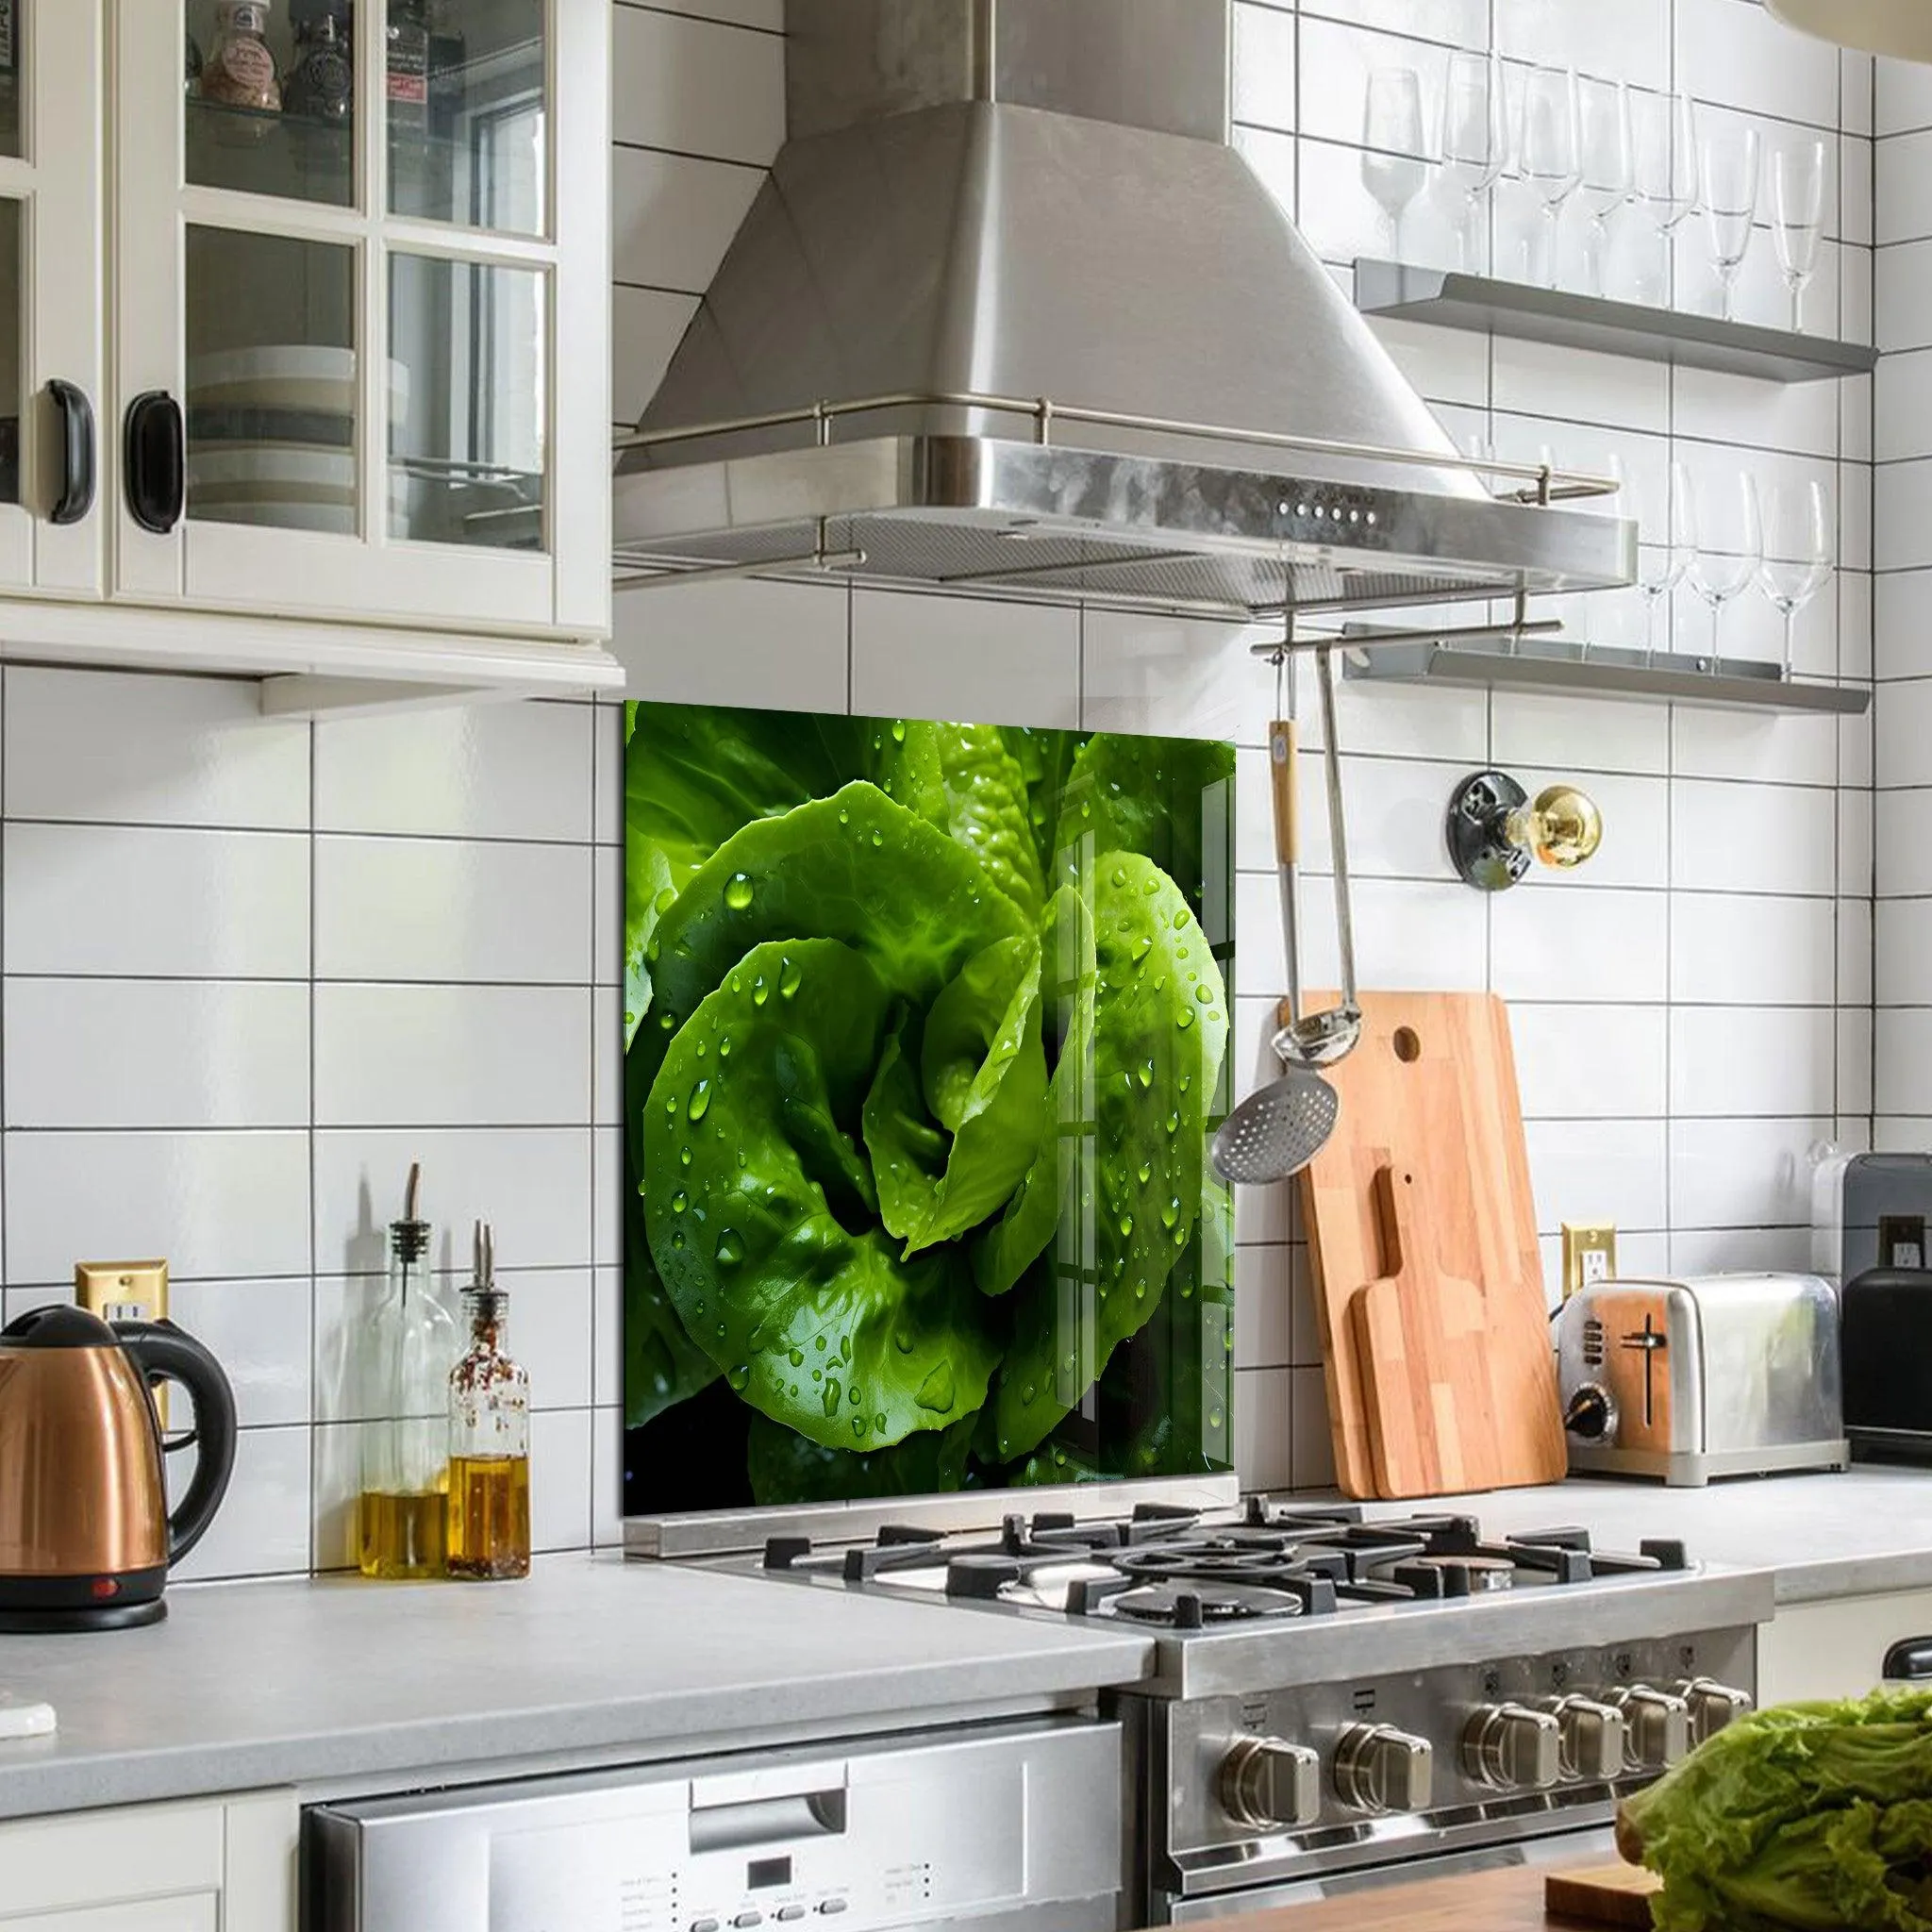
<point x="1797" y="551"/>
<point x="1661" y="566"/>
<point x="1663" y="130"/>
<point x="1475" y="138"/>
<point x="1392" y="167"/>
<point x="1797" y="206"/>
<point x="1552" y="151"/>
<point x="1730" y="547"/>
<point x="1729" y="169"/>
<point x="1604" y="142"/>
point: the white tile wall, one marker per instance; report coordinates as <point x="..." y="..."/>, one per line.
<point x="1902" y="839"/>
<point x="252" y="971"/>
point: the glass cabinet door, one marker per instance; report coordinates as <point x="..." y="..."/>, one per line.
<point x="52" y="63"/>
<point x="352" y="209"/>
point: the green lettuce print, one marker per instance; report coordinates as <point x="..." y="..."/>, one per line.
<point x="926" y="1033"/>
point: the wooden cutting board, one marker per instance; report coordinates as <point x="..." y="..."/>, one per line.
<point x="1604" y="1895"/>
<point x="1432" y="1088"/>
<point x="1421" y="1336"/>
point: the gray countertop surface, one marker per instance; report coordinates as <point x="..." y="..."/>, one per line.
<point x="251" y="1686"/>
<point x="1851" y="1533"/>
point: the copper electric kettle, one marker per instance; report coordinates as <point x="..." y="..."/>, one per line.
<point x="86" y="1537"/>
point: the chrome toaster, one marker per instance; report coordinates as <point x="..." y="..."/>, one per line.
<point x="1682" y="1381"/>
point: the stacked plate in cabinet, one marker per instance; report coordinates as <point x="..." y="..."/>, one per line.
<point x="272" y="437"/>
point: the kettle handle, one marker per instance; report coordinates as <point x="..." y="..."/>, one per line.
<point x="164" y="1353"/>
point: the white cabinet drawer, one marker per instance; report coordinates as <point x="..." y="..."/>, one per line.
<point x="1836" y="1649"/>
<point x="201" y="1913"/>
<point x="101" y="1858"/>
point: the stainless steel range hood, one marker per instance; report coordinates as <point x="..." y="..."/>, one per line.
<point x="1010" y="315"/>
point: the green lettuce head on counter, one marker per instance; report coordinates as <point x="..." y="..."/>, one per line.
<point x="1813" y="1816"/>
<point x="926" y="1034"/>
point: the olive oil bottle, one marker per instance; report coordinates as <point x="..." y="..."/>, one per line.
<point x="489" y="1438"/>
<point x="402" y="1512"/>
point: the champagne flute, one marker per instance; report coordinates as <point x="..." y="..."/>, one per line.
<point x="1661" y="566"/>
<point x="1730" y="532"/>
<point x="1392" y="166"/>
<point x="1797" y="552"/>
<point x="1604" y="142"/>
<point x="1664" y="165"/>
<point x="1475" y="138"/>
<point x="1729" y="169"/>
<point x="1551" y="153"/>
<point x="1797" y="201"/>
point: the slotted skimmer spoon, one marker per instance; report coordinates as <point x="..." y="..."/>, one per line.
<point x="1280" y="1128"/>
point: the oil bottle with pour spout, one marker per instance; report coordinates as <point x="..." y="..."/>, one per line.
<point x="489" y="1436"/>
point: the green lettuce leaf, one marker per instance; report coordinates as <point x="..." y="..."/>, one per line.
<point x="784" y="1468"/>
<point x="1815" y="1816"/>
<point x="1048" y="1192"/>
<point x="1169" y="799"/>
<point x="986" y="798"/>
<point x="1046" y="758"/>
<point x="949" y="1146"/>
<point x="758" y="1205"/>
<point x="696" y="773"/>
<point x="1160" y="1033"/>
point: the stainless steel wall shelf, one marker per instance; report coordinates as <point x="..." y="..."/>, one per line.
<point x="1452" y="300"/>
<point x="1605" y="670"/>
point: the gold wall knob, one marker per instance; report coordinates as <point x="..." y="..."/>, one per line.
<point x="1563" y="828"/>
<point x="1494" y="832"/>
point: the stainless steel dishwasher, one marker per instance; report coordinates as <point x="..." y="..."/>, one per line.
<point x="1010" y="1825"/>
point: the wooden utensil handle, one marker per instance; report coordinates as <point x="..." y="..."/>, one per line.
<point x="1284" y="743"/>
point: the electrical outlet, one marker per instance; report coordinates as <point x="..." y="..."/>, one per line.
<point x="1590" y="1254"/>
<point x="126" y="1291"/>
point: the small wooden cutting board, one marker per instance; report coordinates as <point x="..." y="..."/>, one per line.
<point x="1420" y="1337"/>
<point x="1604" y="1895"/>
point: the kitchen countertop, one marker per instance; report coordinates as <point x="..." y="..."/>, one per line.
<point x="1509" y="1901"/>
<point x="1856" y="1532"/>
<point x="251" y="1686"/>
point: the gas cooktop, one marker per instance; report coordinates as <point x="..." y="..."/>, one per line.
<point x="1184" y="1570"/>
<point x="1225" y="1591"/>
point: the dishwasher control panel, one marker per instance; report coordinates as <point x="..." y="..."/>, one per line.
<point x="1020" y="1820"/>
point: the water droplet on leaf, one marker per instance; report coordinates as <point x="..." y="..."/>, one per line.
<point x="789" y="980"/>
<point x="936" y="1391"/>
<point x="679" y="1202"/>
<point x="738" y="891"/>
<point x="740" y="1378"/>
<point x="730" y="1250"/>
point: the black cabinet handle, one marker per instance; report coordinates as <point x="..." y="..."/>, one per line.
<point x="157" y="461"/>
<point x="78" y="484"/>
<point x="1910" y="1660"/>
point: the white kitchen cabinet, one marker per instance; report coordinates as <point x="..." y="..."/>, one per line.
<point x="349" y="375"/>
<point x="218" y="1865"/>
<point x="1836" y="1649"/>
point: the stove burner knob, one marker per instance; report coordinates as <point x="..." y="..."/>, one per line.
<point x="1713" y="1705"/>
<point x="1512" y="1748"/>
<point x="1269" y="1786"/>
<point x="1378" y="1768"/>
<point x="1594" y="1738"/>
<point x="1656" y="1726"/>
